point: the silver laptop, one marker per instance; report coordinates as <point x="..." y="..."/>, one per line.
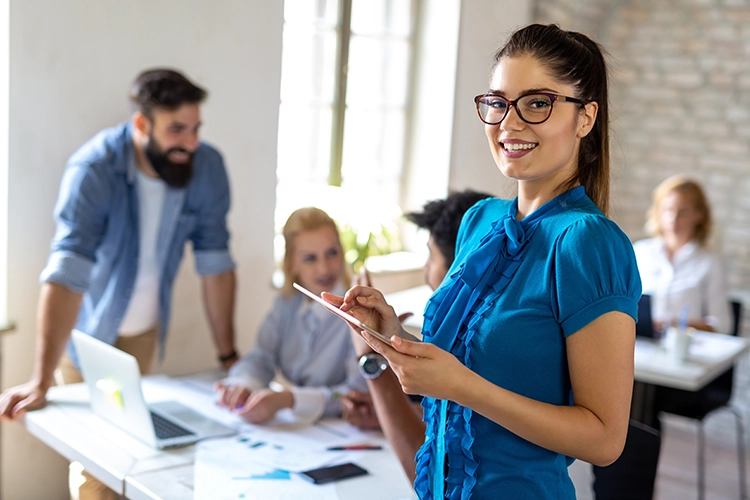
<point x="114" y="382"/>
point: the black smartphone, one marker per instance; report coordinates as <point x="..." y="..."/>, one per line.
<point x="333" y="473"/>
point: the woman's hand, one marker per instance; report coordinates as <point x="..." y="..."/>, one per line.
<point x="367" y="305"/>
<point x="231" y="396"/>
<point x="263" y="405"/>
<point x="423" y="368"/>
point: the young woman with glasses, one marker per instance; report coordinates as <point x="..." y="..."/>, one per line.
<point x="527" y="357"/>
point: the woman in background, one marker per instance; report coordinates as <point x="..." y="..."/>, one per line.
<point x="676" y="268"/>
<point x="679" y="272"/>
<point x="307" y="344"/>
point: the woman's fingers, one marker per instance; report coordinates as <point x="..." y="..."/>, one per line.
<point x="237" y="397"/>
<point x="410" y="348"/>
<point x="332" y="299"/>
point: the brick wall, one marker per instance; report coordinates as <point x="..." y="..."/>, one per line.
<point x="680" y="99"/>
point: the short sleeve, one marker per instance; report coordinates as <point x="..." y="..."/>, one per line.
<point x="595" y="272"/>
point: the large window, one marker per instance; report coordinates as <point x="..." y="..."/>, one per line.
<point x="344" y="96"/>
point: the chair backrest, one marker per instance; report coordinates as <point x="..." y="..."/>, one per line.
<point x="720" y="389"/>
<point x="631" y="476"/>
<point x="736" y="317"/>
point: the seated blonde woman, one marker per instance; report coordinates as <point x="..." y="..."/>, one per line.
<point x="677" y="269"/>
<point x="308" y="345"/>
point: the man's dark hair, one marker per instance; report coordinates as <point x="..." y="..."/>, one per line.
<point x="442" y="218"/>
<point x="164" y="88"/>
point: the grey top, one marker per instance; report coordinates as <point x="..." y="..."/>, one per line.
<point x="311" y="348"/>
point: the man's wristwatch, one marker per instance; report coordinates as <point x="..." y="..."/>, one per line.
<point x="372" y="365"/>
<point x="228" y="357"/>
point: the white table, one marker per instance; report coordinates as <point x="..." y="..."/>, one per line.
<point x="138" y="471"/>
<point x="711" y="354"/>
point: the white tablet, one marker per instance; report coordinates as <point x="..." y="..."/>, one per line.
<point x="342" y="314"/>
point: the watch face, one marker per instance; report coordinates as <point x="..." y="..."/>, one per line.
<point x="372" y="365"/>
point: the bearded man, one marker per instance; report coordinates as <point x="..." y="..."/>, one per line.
<point x="129" y="201"/>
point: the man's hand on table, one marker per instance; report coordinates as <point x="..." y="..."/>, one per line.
<point x="16" y="401"/>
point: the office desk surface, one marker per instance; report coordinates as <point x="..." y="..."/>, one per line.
<point x="711" y="354"/>
<point x="138" y="471"/>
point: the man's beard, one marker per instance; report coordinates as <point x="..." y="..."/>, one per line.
<point x="176" y="175"/>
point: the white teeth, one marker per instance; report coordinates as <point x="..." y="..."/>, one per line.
<point x="518" y="147"/>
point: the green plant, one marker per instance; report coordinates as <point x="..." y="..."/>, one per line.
<point x="360" y="243"/>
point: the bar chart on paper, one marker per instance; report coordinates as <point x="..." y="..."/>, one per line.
<point x="245" y="469"/>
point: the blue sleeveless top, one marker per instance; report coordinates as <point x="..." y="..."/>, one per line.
<point x="515" y="291"/>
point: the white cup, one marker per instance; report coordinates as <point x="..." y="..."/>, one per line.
<point x="677" y="342"/>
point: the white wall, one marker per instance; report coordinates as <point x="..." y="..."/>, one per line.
<point x="484" y="26"/>
<point x="71" y="64"/>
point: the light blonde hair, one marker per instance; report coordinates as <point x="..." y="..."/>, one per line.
<point x="686" y="186"/>
<point x="300" y="221"/>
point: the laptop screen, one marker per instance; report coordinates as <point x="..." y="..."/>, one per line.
<point x="645" y="325"/>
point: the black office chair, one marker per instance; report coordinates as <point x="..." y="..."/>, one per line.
<point x="632" y="476"/>
<point x="698" y="405"/>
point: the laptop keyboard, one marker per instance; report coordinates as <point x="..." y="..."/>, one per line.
<point x="165" y="429"/>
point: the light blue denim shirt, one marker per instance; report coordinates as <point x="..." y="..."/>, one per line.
<point x="95" y="247"/>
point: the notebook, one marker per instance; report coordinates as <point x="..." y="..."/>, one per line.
<point x="114" y="383"/>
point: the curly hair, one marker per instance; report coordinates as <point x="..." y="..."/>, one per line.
<point x="443" y="217"/>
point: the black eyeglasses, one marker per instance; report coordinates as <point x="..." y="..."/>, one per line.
<point x="532" y="108"/>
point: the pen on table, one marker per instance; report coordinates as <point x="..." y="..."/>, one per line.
<point x="355" y="447"/>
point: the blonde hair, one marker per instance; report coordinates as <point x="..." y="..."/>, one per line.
<point x="686" y="186"/>
<point x="300" y="221"/>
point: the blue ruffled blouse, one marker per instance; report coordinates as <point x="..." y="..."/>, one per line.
<point x="515" y="291"/>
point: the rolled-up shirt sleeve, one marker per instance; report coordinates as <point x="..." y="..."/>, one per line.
<point x="310" y="402"/>
<point x="212" y="262"/>
<point x="211" y="236"/>
<point x="81" y="214"/>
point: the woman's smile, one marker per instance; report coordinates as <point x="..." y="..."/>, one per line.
<point x="515" y="148"/>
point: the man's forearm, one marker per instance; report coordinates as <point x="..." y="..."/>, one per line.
<point x="56" y="316"/>
<point x="218" y="296"/>
<point x="400" y="423"/>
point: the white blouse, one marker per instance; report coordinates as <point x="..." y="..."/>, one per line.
<point x="694" y="278"/>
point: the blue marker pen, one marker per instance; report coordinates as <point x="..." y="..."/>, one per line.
<point x="684" y="318"/>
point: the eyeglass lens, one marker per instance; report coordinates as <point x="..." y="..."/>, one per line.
<point x="533" y="108"/>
